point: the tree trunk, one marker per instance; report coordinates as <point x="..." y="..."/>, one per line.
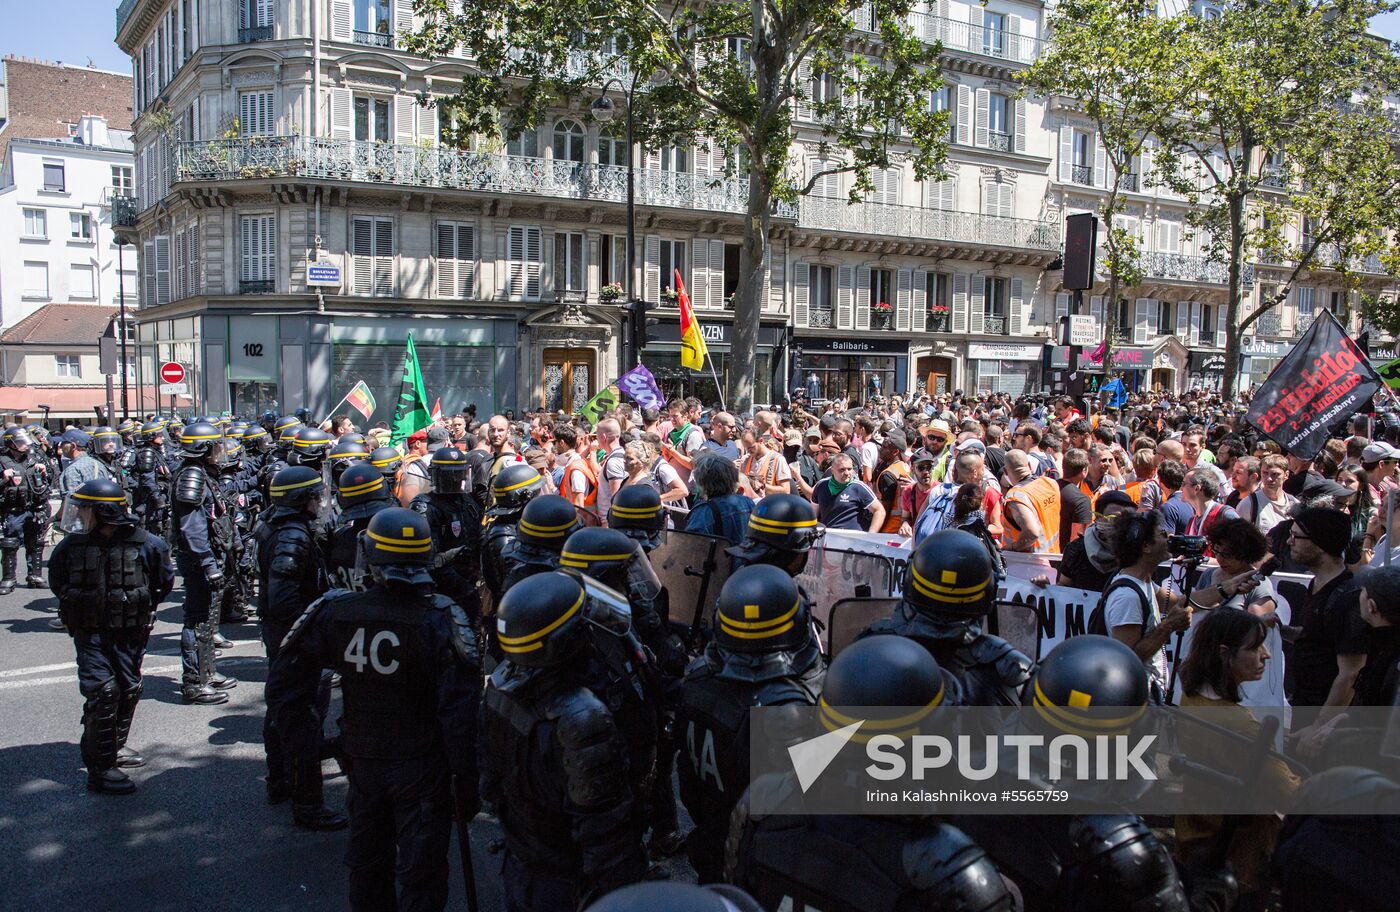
<point x="748" y="300"/>
<point x="1232" y="305"/>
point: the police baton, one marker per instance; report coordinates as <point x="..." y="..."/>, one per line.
<point x="464" y="846"/>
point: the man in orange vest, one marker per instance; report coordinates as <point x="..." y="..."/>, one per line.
<point x="413" y="472"/>
<point x="580" y="481"/>
<point x="891" y="478"/>
<point x="1032" y="514"/>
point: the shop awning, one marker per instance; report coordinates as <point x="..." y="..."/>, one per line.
<point x="68" y="401"/>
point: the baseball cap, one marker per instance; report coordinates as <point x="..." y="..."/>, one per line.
<point x="813" y="432"/>
<point x="1379" y="450"/>
<point x="972" y="444"/>
<point x="921" y="455"/>
<point x="437" y="438"/>
<point x="417" y="435"/>
<point x="76" y="437"/>
<point x="792" y="438"/>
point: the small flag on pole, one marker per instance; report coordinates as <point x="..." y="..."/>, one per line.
<point x="605" y="399"/>
<point x="361" y="399"/>
<point x="693" y="350"/>
<point x="437" y="409"/>
<point x="411" y="414"/>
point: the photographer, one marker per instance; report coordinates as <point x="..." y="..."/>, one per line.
<point x="1133" y="603"/>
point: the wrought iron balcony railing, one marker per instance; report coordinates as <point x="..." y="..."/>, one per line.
<point x="994" y="325"/>
<point x="1081" y="174"/>
<point x="256" y="286"/>
<point x="455" y="169"/>
<point x="936" y="321"/>
<point x="1274" y="178"/>
<point x="974" y="39"/>
<point x="998" y="142"/>
<point x="927" y="224"/>
<point x="820" y="317"/>
<point x="249" y="34"/>
<point x="1128" y="182"/>
<point x="374" y="39"/>
<point x="124" y="210"/>
<point x="1270" y="324"/>
<point x="1181" y="267"/>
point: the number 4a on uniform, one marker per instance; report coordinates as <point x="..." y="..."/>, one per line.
<point x="705" y="763"/>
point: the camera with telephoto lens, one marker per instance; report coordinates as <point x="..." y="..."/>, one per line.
<point x="1189" y="547"/>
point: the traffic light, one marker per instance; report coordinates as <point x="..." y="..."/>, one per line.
<point x="639" y="326"/>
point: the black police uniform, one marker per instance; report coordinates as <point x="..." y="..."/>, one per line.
<point x="515" y="486"/>
<point x="544" y="526"/>
<point x="109" y="582"/>
<point x="361" y="493"/>
<point x="765" y="657"/>
<point x="455" y="520"/>
<point x="554" y="758"/>
<point x="636" y="512"/>
<point x="150" y="484"/>
<point x="411" y="682"/>
<point x="24" y="511"/>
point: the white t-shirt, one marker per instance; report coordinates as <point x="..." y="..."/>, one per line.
<point x="1271" y="515"/>
<point x="1124" y="609"/>
<point x="1268" y="690"/>
<point x="614" y="469"/>
<point x="869" y="455"/>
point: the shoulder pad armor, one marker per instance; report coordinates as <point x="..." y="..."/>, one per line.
<point x="419" y="505"/>
<point x="593" y="761"/>
<point x="463" y="637"/>
<point x="946" y="863"/>
<point x="1013" y="666"/>
<point x="190" y="485"/>
<point x="307" y="617"/>
<point x="1117" y="862"/>
<point x="145" y="460"/>
<point x="290" y="549"/>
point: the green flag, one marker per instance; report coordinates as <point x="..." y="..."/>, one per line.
<point x="1390" y="373"/>
<point x="411" y="414"/>
<point x="593" y="409"/>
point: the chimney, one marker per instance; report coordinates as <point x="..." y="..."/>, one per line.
<point x="92" y="130"/>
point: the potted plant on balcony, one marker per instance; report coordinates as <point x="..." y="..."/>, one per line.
<point x="610" y="293"/>
<point x="880" y="312"/>
<point x="938" y="318"/>
<point x="670" y="297"/>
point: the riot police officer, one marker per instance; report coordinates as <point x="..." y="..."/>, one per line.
<point x="281" y="438"/>
<point x="360" y="493"/>
<point x="204" y="528"/>
<point x="238" y="487"/>
<point x="411" y="682"/>
<point x="309" y="448"/>
<point x="388" y="460"/>
<point x="151" y="478"/>
<point x="107" y="448"/>
<point x="109" y="575"/>
<point x="636" y="512"/>
<point x="293" y="576"/>
<point x="1091" y="861"/>
<point x="676" y="897"/>
<point x="514" y="487"/>
<point x="948" y="587"/>
<point x="344" y="452"/>
<point x="545" y="524"/>
<point x="554" y="757"/>
<point x="455" y="521"/>
<point x="782" y="531"/>
<point x="764" y="653"/>
<point x="865" y="863"/>
<point x="25" y="483"/>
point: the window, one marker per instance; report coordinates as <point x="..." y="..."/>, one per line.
<point x="1336" y="302"/>
<point x="881" y="291"/>
<point x="67" y="366"/>
<point x="80" y="226"/>
<point x="943" y="195"/>
<point x="1307" y="299"/>
<point x="456" y="259"/>
<point x="82" y="282"/>
<point x="673" y="258"/>
<point x="36" y="223"/>
<point x="122" y="180"/>
<point x="36" y="279"/>
<point x="994" y="304"/>
<point x="526" y="144"/>
<point x="612" y="149"/>
<point x="937" y="286"/>
<point x="568" y="264"/>
<point x="1166" y="322"/>
<point x="827" y="186"/>
<point x="186" y="29"/>
<point x="826" y="88"/>
<point x="372" y="120"/>
<point x="372" y="256"/>
<point x="614" y="260"/>
<point x="731" y="274"/>
<point x="568" y="141"/>
<point x="126" y="288"/>
<point x="674" y="158"/>
<point x="1082" y="160"/>
<point x="526" y="263"/>
<point x="999" y="200"/>
<point x="252" y="14"/>
<point x="993" y="33"/>
<point x="821" y="296"/>
<point x="886" y="182"/>
<point x="1205" y="324"/>
<point x="53" y="176"/>
<point x="256" y="118"/>
<point x="257" y="271"/>
<point x="998" y="123"/>
<point x="372" y="17"/>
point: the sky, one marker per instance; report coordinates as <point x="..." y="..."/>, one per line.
<point x="76" y="31"/>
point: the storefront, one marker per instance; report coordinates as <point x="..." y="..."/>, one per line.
<point x="1381" y="354"/>
<point x="663" y="358"/>
<point x="1133" y="365"/>
<point x="1004" y="367"/>
<point x="856" y="370"/>
<point x="1258" y="358"/>
<point x="1205" y="370"/>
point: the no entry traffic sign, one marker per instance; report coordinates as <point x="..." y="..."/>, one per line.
<point x="172" y="372"/>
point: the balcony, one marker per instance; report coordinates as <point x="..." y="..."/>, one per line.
<point x="373" y="39"/>
<point x="251" y="158"/>
<point x="1270" y="323"/>
<point x="1181" y="267"/>
<point x="998" y="141"/>
<point x="254" y="33"/>
<point x="936" y="321"/>
<point x="256" y="286"/>
<point x="881" y="319"/>
<point x="927" y="224"/>
<point x="1275" y="178"/>
<point x="820" y="318"/>
<point x="1081" y="174"/>
<point x="1129" y="182"/>
<point x="994" y="325"/>
<point x="975" y="39"/>
<point x="124" y="210"/>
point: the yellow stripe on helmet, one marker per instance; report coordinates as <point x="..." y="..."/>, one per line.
<point x="532" y="641"/>
<point x="521" y="484"/>
<point x="201" y="436"/>
<point x="284" y="488"/>
<point x="583" y="560"/>
<point x="401" y="545"/>
<point x="364" y="488"/>
<point x="764" y="524"/>
<point x="77" y="495"/>
<point x="635" y="512"/>
<point x="759" y="625"/>
<point x="546" y="531"/>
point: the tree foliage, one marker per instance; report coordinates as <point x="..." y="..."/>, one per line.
<point x="724" y="69"/>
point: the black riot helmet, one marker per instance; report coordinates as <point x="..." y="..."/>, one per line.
<point x="636" y="512"/>
<point x="782" y="523"/>
<point x="152" y="432"/>
<point x="98" y="501"/>
<point x="356" y="437"/>
<point x="387" y="460"/>
<point x="538" y="620"/>
<point x="950" y="577"/>
<point x="303" y="415"/>
<point x="342" y="454"/>
<point x="127" y="429"/>
<point x="676" y="897"/>
<point x="233" y="451"/>
<point x="200" y="438"/>
<point x="547" y="522"/>
<point x="882" y="671"/>
<point x="309" y="447"/>
<point x="284" y="432"/>
<point x="598" y="552"/>
<point x="268" y="421"/>
<point x="16" y="440"/>
<point x="398" y="546"/>
<point x="360" y="490"/>
<point x="106" y="443"/>
<point x="760" y="610"/>
<point x="1084" y="676"/>
<point x="296" y="487"/>
<point x="515" y="485"/>
<point x="448" y="471"/>
<point x="255" y="439"/>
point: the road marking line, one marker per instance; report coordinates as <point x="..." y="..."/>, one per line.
<point x="64" y="666"/>
<point x="147" y="671"/>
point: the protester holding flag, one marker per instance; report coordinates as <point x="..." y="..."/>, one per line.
<point x="411" y="414"/>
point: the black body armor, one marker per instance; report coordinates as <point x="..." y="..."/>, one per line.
<point x="107" y="587"/>
<point x="990" y="670"/>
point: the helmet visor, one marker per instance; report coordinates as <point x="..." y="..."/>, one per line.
<point x="605" y="607"/>
<point x="109" y="445"/>
<point x="19" y="441"/>
<point x="77" y="517"/>
<point x="641" y="576"/>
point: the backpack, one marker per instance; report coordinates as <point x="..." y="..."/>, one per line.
<point x="1098" y="622"/>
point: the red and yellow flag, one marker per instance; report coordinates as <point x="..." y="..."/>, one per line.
<point x="693" y="349"/>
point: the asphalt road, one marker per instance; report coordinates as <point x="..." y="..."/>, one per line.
<point x="198" y="832"/>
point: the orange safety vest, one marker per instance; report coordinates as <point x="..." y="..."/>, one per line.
<point x="1043" y="497"/>
<point x="579" y="464"/>
<point x="1134" y="490"/>
<point x="403" y="469"/>
<point x="892" y="518"/>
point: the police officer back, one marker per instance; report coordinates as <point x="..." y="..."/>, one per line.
<point x="545" y="524"/>
<point x="109" y="575"/>
<point x="514" y="487"/>
<point x="411" y="681"/>
<point x="25" y="483"/>
<point x="360" y="493"/>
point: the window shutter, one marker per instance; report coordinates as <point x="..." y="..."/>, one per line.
<point x="700" y="275"/>
<point x="1016" y="317"/>
<point x="980" y="124"/>
<point x="342" y="21"/>
<point x="1142" y="325"/>
<point x="964" y="115"/>
<point x="403" y="18"/>
<point x="845" y="279"/>
<point x="466" y="260"/>
<point x="341" y="125"/>
<point x="777" y="278"/>
<point x="804" y="84"/>
<point x="428" y="124"/>
<point x="651" y="284"/>
<point x="163" y="269"/>
<point x="862" y="301"/>
<point x="405" y="111"/>
<point x="977" y="305"/>
<point x="1096" y="311"/>
<point x="801" y="280"/>
<point x="1016" y="49"/>
<point x="959" y="302"/>
<point x="1062" y="300"/>
<point x="1183" y="321"/>
<point x="361" y="256"/>
<point x="716" y="272"/>
<point x="148" y="274"/>
<point x="1145" y="163"/>
<point x="1066" y="154"/>
<point x="269" y="248"/>
<point x="1019" y="122"/>
<point x="515" y="253"/>
<point x="383" y="257"/>
<point x="247" y="247"/>
<point x="196" y="264"/>
<point x="1100" y="171"/>
<point x="918" y="303"/>
<point x="534" y="262"/>
<point x="901" y="305"/>
<point x="1221" y="326"/>
<point x="264" y="12"/>
<point x="446" y="260"/>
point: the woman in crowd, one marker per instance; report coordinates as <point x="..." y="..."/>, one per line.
<point x="723" y="510"/>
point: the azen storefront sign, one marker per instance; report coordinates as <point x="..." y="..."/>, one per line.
<point x="1123" y="359"/>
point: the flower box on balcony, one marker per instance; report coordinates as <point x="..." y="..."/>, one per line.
<point x="610" y="293"/>
<point x="938" y="320"/>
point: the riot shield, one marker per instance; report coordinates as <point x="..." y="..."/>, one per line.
<point x="693" y="567"/>
<point x="833" y="574"/>
<point x="1018" y="624"/>
<point x="587" y="518"/>
<point x="850" y="616"/>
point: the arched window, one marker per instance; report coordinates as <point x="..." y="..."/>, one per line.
<point x="568" y="141"/>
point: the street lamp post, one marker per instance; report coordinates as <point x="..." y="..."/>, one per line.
<point x="603" y="110"/>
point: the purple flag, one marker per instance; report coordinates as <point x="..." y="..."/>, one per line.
<point x="640" y="386"/>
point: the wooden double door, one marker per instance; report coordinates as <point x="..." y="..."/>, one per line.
<point x="568" y="379"/>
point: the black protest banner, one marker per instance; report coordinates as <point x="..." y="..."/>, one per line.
<point x="1325" y="379"/>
